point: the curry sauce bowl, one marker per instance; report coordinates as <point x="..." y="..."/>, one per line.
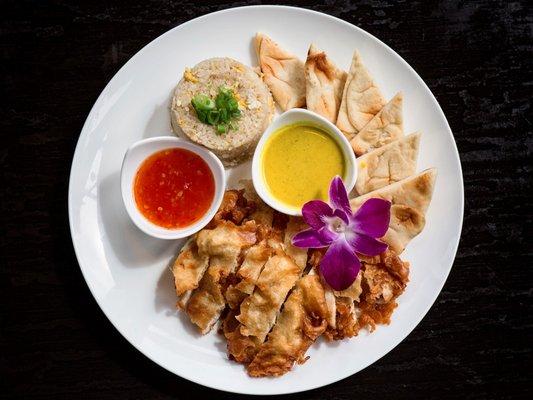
<point x="296" y="159"/>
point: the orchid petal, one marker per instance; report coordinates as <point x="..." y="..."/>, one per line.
<point x="372" y="218"/>
<point x="340" y="265"/>
<point x="311" y="239"/>
<point x="338" y="197"/>
<point x="366" y="245"/>
<point x="314" y="212"/>
<point x="327" y="236"/>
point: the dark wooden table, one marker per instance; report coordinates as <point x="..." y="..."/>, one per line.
<point x="476" y="342"/>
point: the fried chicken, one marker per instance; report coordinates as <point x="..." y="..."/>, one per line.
<point x="224" y="244"/>
<point x="235" y="208"/>
<point x="243" y="269"/>
<point x="301" y="322"/>
<point x="383" y="279"/>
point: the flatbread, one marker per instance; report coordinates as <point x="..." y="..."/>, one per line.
<point x="385" y="127"/>
<point x="324" y="83"/>
<point x="361" y="99"/>
<point x="283" y="73"/>
<point x="388" y="164"/>
<point x="410" y="200"/>
<point x="405" y="224"/>
<point x="415" y="191"/>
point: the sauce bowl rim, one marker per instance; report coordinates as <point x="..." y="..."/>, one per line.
<point x="130" y="166"/>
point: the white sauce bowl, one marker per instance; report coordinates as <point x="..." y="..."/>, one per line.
<point x="299" y="115"/>
<point x="140" y="151"/>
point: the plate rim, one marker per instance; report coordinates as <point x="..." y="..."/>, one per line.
<point x="85" y="131"/>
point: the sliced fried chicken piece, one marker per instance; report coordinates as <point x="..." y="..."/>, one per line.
<point x="224" y="244"/>
<point x="235" y="208"/>
<point x="383" y="279"/>
<point x="189" y="267"/>
<point x="258" y="312"/>
<point x="248" y="273"/>
<point x="298" y="254"/>
<point x="301" y="322"/>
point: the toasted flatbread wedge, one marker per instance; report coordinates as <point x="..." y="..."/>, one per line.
<point x="301" y="322"/>
<point x="388" y="164"/>
<point x="259" y="311"/>
<point x="324" y="83"/>
<point x="415" y="191"/>
<point x="410" y="200"/>
<point x="405" y="224"/>
<point x="282" y="71"/>
<point x="385" y="127"/>
<point x="361" y="99"/>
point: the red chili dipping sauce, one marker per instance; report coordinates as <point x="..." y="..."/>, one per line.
<point x="174" y="188"/>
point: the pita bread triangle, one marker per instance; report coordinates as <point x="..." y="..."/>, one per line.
<point x="410" y="200"/>
<point x="361" y="99"/>
<point x="385" y="127"/>
<point x="388" y="164"/>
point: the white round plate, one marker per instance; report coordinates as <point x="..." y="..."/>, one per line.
<point x="127" y="271"/>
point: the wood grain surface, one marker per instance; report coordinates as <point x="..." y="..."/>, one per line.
<point x="476" y="341"/>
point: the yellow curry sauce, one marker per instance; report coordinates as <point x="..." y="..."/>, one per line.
<point x="298" y="163"/>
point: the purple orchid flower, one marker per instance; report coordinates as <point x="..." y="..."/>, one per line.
<point x="344" y="232"/>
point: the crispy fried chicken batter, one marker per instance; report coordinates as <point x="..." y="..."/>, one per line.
<point x="384" y="278"/>
<point x="243" y="269"/>
<point x="235" y="208"/>
<point x="224" y="244"/>
<point x="258" y="311"/>
<point x="301" y="322"/>
<point x="240" y="348"/>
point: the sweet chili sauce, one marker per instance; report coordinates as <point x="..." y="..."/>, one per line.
<point x="174" y="188"/>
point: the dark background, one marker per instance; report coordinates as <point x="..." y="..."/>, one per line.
<point x="476" y="342"/>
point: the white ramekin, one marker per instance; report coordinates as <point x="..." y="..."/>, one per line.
<point x="299" y="115"/>
<point x="137" y="153"/>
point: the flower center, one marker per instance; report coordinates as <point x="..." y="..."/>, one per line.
<point x="336" y="225"/>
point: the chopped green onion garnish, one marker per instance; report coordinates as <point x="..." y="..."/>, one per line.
<point x="202" y="102"/>
<point x="222" y="128"/>
<point x="213" y="117"/>
<point x="220" y="112"/>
